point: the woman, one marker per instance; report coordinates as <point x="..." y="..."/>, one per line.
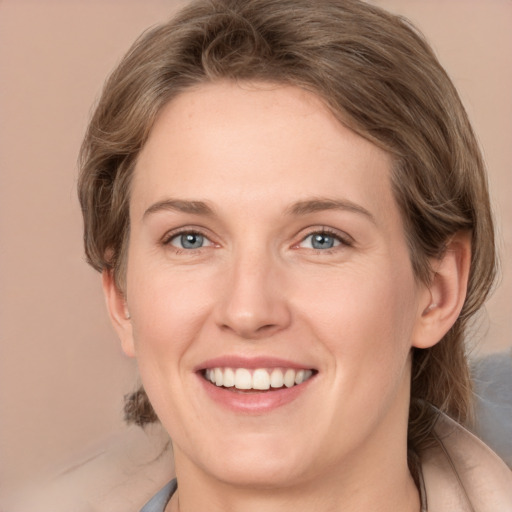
<point x="290" y="213"/>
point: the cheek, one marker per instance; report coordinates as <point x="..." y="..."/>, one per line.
<point x="365" y="319"/>
<point x="166" y="320"/>
<point x="166" y="310"/>
<point x="363" y="301"/>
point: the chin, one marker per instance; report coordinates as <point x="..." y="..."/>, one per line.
<point x="258" y="465"/>
<point x="259" y="474"/>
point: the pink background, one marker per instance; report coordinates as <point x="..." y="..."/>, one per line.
<point x="62" y="374"/>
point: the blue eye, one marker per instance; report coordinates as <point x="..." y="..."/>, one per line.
<point x="189" y="240"/>
<point x="321" y="241"/>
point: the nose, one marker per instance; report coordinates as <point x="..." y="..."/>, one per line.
<point x="254" y="304"/>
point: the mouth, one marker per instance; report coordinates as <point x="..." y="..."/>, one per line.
<point x="255" y="385"/>
<point x="246" y="380"/>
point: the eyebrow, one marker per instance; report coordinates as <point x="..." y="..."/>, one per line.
<point x="321" y="204"/>
<point x="178" y="205"/>
<point x="299" y="208"/>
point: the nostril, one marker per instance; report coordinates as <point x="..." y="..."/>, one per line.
<point x="266" y="328"/>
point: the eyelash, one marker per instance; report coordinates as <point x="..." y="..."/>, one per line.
<point x="169" y="237"/>
<point x="344" y="240"/>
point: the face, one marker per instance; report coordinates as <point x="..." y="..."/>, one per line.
<point x="271" y="296"/>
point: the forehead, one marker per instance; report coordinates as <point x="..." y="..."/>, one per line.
<point x="260" y="143"/>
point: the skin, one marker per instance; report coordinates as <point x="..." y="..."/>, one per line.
<point x="257" y="287"/>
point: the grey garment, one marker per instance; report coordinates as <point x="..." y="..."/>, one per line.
<point x="492" y="376"/>
<point x="159" y="501"/>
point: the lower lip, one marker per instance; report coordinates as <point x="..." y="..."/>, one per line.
<point x="256" y="402"/>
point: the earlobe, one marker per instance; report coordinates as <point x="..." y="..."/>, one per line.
<point x="118" y="312"/>
<point x="446" y="293"/>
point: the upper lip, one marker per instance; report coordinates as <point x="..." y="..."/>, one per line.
<point x="251" y="363"/>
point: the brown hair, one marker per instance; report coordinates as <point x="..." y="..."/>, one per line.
<point x="377" y="75"/>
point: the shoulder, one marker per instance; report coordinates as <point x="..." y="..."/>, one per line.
<point x="118" y="475"/>
<point x="461" y="473"/>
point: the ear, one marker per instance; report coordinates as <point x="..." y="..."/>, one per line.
<point x="118" y="311"/>
<point x="446" y="293"/>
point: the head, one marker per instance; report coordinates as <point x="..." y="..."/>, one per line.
<point x="377" y="76"/>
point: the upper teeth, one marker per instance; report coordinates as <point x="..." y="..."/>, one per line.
<point x="260" y="378"/>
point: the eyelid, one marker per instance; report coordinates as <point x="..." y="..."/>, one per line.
<point x="174" y="233"/>
<point x="345" y="239"/>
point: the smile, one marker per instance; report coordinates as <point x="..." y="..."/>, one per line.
<point x="259" y="379"/>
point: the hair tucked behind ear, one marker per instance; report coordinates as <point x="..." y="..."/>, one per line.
<point x="377" y="75"/>
<point x="138" y="409"/>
